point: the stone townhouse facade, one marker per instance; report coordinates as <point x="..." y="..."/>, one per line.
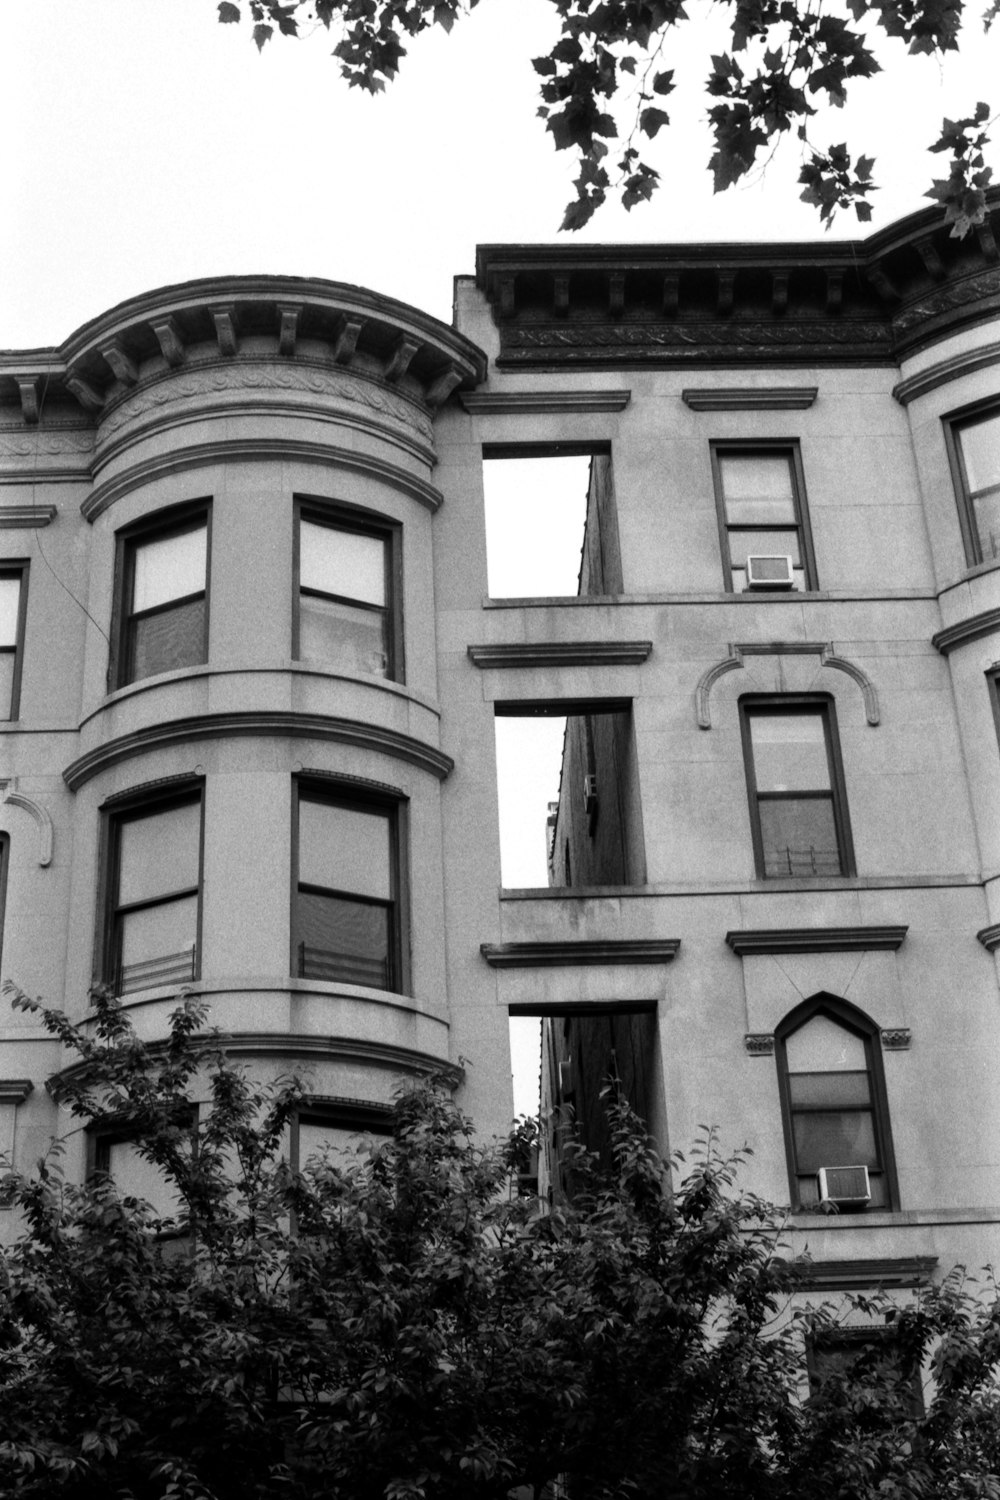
<point x="252" y="673"/>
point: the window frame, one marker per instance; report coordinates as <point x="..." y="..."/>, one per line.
<point x="159" y="526"/>
<point x="954" y="423"/>
<point x="798" y="704"/>
<point x="16" y="567"/>
<point x="341" y="516"/>
<point x="359" y="1116"/>
<point x="862" y="1338"/>
<point x="847" y="1016"/>
<point x="357" y="794"/>
<point x="128" y="807"/>
<point x="754" y="448"/>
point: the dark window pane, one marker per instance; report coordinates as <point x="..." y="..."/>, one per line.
<point x="344" y="940"/>
<point x="343" y="635"/>
<point x="799" y="836"/>
<point x="834" y="1140"/>
<point x="166" y="641"/>
<point x="835" y="1090"/>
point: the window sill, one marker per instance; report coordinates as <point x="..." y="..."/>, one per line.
<point x="897" y="1219"/>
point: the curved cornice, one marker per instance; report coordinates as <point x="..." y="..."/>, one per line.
<point x="232" y="450"/>
<point x="272" y="724"/>
<point x="337" y="323"/>
<point x="972" y="629"/>
<point x="823" y="649"/>
<point x="946" y="370"/>
<point x="869" y="301"/>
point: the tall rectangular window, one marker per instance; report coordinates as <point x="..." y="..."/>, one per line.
<point x="346" y="922"/>
<point x="13" y="599"/>
<point x="163" y="605"/>
<point x="797" y="803"/>
<point x="760" y="494"/>
<point x="154" y="893"/>
<point x="346" y="613"/>
<point x="975" y="455"/>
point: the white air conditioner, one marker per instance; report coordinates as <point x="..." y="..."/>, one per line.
<point x="770" y="571"/>
<point x="590" y="795"/>
<point x="844" y="1185"/>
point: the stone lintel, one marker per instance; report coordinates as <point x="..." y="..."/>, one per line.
<point x="27" y="516"/>
<point x="513" y="403"/>
<point x="750" y="398"/>
<point x="749" y="942"/>
<point x="972" y="629"/>
<point x="560" y="654"/>
<point x="581" y="953"/>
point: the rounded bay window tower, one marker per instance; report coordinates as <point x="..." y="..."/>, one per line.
<point x="233" y="671"/>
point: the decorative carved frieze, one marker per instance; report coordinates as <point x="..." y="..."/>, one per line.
<point x="258" y="376"/>
<point x="958" y="294"/>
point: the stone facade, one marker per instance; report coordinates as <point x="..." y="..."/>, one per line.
<point x="187" y="652"/>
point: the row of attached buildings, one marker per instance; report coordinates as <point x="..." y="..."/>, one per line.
<point x="250" y="671"/>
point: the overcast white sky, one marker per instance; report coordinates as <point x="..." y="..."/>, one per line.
<point x="145" y="144"/>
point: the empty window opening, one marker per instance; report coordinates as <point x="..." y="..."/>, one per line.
<point x="567" y="788"/>
<point x="550" y="523"/>
<point x="583" y="1052"/>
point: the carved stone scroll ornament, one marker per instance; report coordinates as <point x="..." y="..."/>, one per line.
<point x="249" y="375"/>
<point x="823" y="649"/>
<point x="14" y="798"/>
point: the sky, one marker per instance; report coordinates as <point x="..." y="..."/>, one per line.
<point x="145" y="144"/>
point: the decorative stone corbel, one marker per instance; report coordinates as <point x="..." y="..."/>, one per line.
<point x="759" y="1043"/>
<point x="896" y="1039"/>
<point x="14" y="798"/>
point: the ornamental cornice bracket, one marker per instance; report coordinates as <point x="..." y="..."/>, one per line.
<point x="823" y="649"/>
<point x="227" y="333"/>
<point x="441" y="388"/>
<point x="122" y="366"/>
<point x="346" y="341"/>
<point x="28" y="386"/>
<point x="15" y="798"/>
<point x="168" y="336"/>
<point x="90" y="399"/>
<point x="289" y="314"/>
<point x="400" y="359"/>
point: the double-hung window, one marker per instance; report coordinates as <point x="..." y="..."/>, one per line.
<point x="154" y="856"/>
<point x="346" y="921"/>
<point x="13" y="600"/>
<point x="834" y="1103"/>
<point x="974" y="446"/>
<point x="798" y="808"/>
<point x="760" y="495"/>
<point x="163" y="602"/>
<point x="346" y="591"/>
<point x="866" y="1357"/>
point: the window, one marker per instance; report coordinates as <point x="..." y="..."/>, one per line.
<point x="346" y="588"/>
<point x="117" y="1153"/>
<point x="340" y="1128"/>
<point x="154" y="867"/>
<point x="163" y="603"/>
<point x="834" y="1104"/>
<point x="974" y="450"/>
<point x="760" y="494"/>
<point x="346" y="921"/>
<point x="798" y="808"/>
<point x="13" y="600"/>
<point x="863" y="1355"/>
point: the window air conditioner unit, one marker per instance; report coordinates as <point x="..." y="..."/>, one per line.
<point x="590" y="795"/>
<point x="770" y="571"/>
<point x="844" y="1185"/>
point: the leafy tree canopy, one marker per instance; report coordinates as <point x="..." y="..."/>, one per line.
<point x="401" y="1326"/>
<point x="784" y="58"/>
